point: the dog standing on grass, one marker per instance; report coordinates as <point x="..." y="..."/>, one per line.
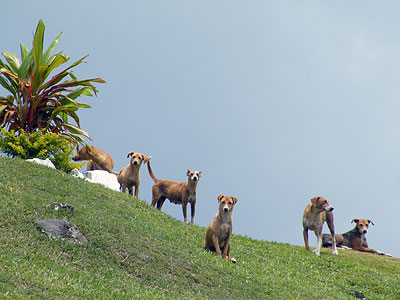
<point x="218" y="235"/>
<point x="129" y="176"/>
<point x="314" y="216"/>
<point x="354" y="239"/>
<point x="178" y="193"/>
<point x="98" y="160"/>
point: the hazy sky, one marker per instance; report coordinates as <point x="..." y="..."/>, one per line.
<point x="275" y="101"/>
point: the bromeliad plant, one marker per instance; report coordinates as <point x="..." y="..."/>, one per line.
<point x="36" y="102"/>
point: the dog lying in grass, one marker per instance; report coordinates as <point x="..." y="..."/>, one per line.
<point x="354" y="239"/>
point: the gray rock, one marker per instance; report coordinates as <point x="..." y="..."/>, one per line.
<point x="63" y="229"/>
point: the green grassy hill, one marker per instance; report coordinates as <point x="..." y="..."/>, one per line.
<point x="137" y="252"/>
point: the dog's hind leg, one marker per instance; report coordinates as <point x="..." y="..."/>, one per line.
<point x="160" y="202"/>
<point x="319" y="242"/>
<point x="305" y="236"/>
<point x="155" y="196"/>
<point x="136" y="190"/>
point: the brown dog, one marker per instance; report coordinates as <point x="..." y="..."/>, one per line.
<point x="218" y="235"/>
<point x="314" y="216"/>
<point x="129" y="176"/>
<point x="354" y="239"/>
<point x="98" y="160"/>
<point x="178" y="193"/>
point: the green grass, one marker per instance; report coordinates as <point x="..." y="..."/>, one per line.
<point x="137" y="252"/>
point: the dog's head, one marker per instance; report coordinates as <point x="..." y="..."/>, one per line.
<point x="362" y="225"/>
<point x="226" y="203"/>
<point x="321" y="203"/>
<point x="82" y="154"/>
<point x="193" y="175"/>
<point x="138" y="158"/>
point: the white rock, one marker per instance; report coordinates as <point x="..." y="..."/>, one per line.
<point x="103" y="177"/>
<point x="47" y="162"/>
<point x="76" y="173"/>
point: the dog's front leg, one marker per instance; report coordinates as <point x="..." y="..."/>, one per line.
<point x="319" y="242"/>
<point x="227" y="247"/>
<point x="184" y="210"/>
<point x="331" y="226"/>
<point x="193" y="210"/>
<point x="216" y="245"/>
<point x="334" y="250"/>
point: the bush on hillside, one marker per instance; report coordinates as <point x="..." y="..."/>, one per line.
<point x="41" y="145"/>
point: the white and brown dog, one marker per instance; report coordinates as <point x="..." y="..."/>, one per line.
<point x="354" y="239"/>
<point x="218" y="235"/>
<point x="176" y="192"/>
<point x="129" y="176"/>
<point x="314" y="216"/>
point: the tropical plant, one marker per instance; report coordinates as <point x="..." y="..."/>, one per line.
<point x="39" y="144"/>
<point x="37" y="103"/>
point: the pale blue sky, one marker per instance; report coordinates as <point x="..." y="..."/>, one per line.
<point x="275" y="101"/>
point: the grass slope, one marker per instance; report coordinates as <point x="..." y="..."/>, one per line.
<point x="137" y="252"/>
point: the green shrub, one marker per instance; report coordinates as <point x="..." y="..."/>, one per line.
<point x="39" y="144"/>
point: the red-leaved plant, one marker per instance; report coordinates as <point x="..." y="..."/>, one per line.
<point x="37" y="103"/>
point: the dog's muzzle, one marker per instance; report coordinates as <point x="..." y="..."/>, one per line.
<point x="329" y="208"/>
<point x="226" y="209"/>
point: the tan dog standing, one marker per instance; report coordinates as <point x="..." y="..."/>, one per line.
<point x="98" y="160"/>
<point x="129" y="176"/>
<point x="178" y="193"/>
<point x="218" y="235"/>
<point x="314" y="216"/>
<point x="354" y="239"/>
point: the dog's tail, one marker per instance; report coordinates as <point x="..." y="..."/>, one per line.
<point x="151" y="172"/>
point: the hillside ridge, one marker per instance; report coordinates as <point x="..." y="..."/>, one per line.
<point x="137" y="252"/>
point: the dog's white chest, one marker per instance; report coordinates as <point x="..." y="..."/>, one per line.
<point x="312" y="223"/>
<point x="224" y="232"/>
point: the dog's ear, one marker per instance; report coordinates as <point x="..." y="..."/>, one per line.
<point x="200" y="173"/>
<point x="220" y="198"/>
<point x="130" y="154"/>
<point x="369" y="221"/>
<point x="355" y="221"/>
<point x="234" y="200"/>
<point x="315" y="200"/>
<point x="188" y="172"/>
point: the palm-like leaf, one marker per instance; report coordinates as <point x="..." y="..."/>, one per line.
<point x="37" y="102"/>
